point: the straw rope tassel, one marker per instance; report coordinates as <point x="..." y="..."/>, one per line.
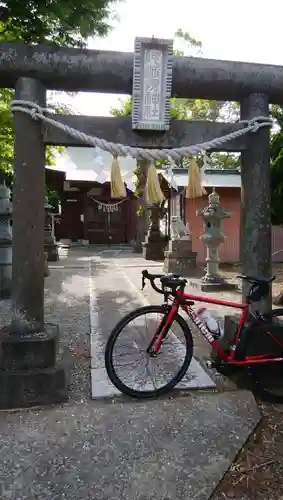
<point x="153" y="191"/>
<point x="118" y="189"/>
<point x="194" y="188"/>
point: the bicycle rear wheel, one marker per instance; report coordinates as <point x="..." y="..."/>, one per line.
<point x="268" y="377"/>
<point x="124" y="363"/>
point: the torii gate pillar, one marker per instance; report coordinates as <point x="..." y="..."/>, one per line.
<point x="255" y="247"/>
<point x="29" y="372"/>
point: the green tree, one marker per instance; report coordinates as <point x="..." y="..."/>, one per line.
<point x="276" y="154"/>
<point x="61" y="22"/>
<point x="182" y="109"/>
<point x="195" y="109"/>
<point x="203" y="109"/>
<point x="7" y="135"/>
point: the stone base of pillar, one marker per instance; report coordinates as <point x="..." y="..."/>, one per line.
<point x="153" y="249"/>
<point x="29" y="372"/>
<point x="216" y="284"/>
<point x="51" y="249"/>
<point x="180" y="259"/>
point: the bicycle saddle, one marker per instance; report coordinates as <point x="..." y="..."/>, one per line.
<point x="172" y="280"/>
<point x="257" y="279"/>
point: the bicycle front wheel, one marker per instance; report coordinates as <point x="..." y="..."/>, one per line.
<point x="133" y="370"/>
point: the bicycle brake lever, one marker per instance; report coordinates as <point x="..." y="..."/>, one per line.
<point x="143" y="282"/>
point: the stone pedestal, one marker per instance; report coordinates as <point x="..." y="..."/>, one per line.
<point x="216" y="283"/>
<point x="5" y="269"/>
<point x="29" y="373"/>
<point x="154" y="245"/>
<point x="5" y="242"/>
<point x="180" y="259"/>
<point x="153" y="248"/>
<point x="50" y="246"/>
<point x="46" y="268"/>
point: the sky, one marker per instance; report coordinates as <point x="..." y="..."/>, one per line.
<point x="236" y="30"/>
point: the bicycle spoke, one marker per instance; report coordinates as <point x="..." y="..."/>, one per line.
<point x="154" y="371"/>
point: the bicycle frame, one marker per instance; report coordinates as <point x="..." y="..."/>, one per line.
<point x="180" y="301"/>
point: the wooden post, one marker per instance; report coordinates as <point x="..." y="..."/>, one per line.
<point x="255" y="248"/>
<point x="28" y="209"/>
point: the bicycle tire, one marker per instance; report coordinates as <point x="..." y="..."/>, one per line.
<point x="259" y="387"/>
<point x="110" y="369"/>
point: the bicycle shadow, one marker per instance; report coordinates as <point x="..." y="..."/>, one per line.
<point x="130" y="352"/>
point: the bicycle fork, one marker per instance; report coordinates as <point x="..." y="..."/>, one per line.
<point x="161" y="331"/>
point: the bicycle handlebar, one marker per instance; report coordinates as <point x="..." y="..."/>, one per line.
<point x="152" y="278"/>
<point x="168" y="281"/>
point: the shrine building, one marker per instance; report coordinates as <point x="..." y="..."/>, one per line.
<point x="88" y="214"/>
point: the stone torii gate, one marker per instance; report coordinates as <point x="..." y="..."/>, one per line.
<point x="32" y="70"/>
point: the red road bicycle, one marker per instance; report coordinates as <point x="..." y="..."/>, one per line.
<point x="258" y="342"/>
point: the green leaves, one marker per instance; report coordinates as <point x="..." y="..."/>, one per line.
<point x="6" y="133"/>
<point x="63" y="22"/>
<point x="276" y="154"/>
<point x="125" y="108"/>
<point x="194" y="109"/>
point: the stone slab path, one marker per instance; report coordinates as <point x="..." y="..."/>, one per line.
<point x="113" y="293"/>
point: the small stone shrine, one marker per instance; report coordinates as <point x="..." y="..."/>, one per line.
<point x="213" y="215"/>
<point x="179" y="258"/>
<point x="5" y="242"/>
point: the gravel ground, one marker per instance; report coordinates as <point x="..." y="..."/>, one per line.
<point x="67" y="304"/>
<point x="256" y="474"/>
<point x="46" y="452"/>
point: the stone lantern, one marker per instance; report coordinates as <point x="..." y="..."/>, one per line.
<point x="50" y="246"/>
<point x="5" y="241"/>
<point x="213" y="215"/>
